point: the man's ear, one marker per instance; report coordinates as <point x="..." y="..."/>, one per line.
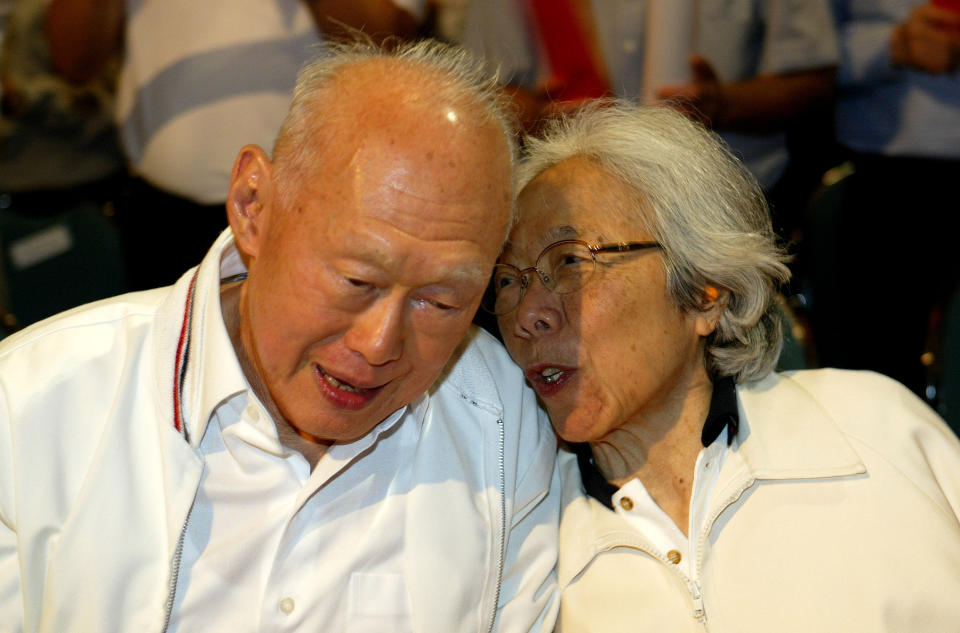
<point x="250" y="198"/>
<point x="712" y="306"/>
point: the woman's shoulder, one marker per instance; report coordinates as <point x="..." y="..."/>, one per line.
<point x="852" y="395"/>
<point x="879" y="417"/>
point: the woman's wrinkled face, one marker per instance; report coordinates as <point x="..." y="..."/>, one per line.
<point x="616" y="350"/>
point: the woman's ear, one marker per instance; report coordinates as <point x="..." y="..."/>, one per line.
<point x="250" y="198"/>
<point x="712" y="305"/>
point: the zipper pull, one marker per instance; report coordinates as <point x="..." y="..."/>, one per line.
<point x="698" y="611"/>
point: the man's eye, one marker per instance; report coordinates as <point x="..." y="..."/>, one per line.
<point x="436" y="305"/>
<point x="503" y="281"/>
<point x="359" y="283"/>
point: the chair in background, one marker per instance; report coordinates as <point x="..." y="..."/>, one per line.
<point x="797" y="351"/>
<point x="942" y="361"/>
<point x="55" y="261"/>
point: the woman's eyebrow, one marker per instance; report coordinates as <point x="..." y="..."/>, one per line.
<point x="553" y="234"/>
<point x="562" y="232"/>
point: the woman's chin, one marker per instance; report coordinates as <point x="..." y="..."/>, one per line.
<point x="572" y="428"/>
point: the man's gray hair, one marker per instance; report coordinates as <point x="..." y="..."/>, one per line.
<point x="701" y="204"/>
<point x="446" y="70"/>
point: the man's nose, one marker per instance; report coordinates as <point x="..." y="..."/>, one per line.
<point x="377" y="332"/>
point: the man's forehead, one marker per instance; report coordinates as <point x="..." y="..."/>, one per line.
<point x="418" y="152"/>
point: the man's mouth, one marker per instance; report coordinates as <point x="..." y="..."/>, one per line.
<point x="344" y="394"/>
<point x="339" y="384"/>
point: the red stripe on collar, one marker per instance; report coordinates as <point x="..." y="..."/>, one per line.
<point x="180" y="360"/>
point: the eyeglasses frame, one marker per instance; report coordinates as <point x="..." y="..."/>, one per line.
<point x="595" y="249"/>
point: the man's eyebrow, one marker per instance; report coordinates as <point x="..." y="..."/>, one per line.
<point x="467" y="274"/>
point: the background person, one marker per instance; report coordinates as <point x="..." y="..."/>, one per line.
<point x="61" y="176"/>
<point x="266" y="444"/>
<point x="898" y="118"/>
<point x="198" y="80"/>
<point x="637" y="292"/>
<point x="751" y="70"/>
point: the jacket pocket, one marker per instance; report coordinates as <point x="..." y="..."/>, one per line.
<point x="378" y="603"/>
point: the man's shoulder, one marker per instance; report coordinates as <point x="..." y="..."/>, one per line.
<point x="86" y="330"/>
<point x="480" y="370"/>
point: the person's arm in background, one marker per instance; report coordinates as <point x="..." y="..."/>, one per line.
<point x="929" y="40"/>
<point x="876" y="47"/>
<point x="82" y="36"/>
<point x="793" y="72"/>
<point x="759" y="104"/>
<point x="379" y="19"/>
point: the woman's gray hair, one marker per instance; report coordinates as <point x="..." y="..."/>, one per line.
<point x="701" y="204"/>
<point x="445" y="69"/>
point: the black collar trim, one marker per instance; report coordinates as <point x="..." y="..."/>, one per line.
<point x="723" y="414"/>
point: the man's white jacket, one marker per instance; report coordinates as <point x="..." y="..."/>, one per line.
<point x="96" y="483"/>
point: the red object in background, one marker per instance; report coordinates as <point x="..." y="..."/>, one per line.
<point x="575" y="77"/>
<point x="952" y="5"/>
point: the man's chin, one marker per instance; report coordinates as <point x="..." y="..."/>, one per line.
<point x="323" y="424"/>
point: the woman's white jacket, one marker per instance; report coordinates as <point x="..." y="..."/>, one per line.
<point x="836" y="510"/>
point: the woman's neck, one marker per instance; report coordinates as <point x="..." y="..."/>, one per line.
<point x="660" y="448"/>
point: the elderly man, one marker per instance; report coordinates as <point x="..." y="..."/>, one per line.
<point x="298" y="434"/>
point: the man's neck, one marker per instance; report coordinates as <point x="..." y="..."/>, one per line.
<point x="230" y="301"/>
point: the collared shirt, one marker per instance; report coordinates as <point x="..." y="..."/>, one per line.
<point x="260" y="513"/>
<point x="634" y="503"/>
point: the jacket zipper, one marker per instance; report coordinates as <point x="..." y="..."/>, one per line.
<point x="693" y="587"/>
<point x="699" y="612"/>
<point x="503" y="525"/>
<point x="175" y="572"/>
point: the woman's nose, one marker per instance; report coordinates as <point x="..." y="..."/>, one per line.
<point x="539" y="312"/>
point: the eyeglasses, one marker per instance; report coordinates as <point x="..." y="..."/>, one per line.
<point x="563" y="267"/>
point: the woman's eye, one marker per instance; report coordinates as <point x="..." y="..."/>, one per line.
<point x="571" y="260"/>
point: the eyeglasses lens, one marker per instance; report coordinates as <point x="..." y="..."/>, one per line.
<point x="563" y="267"/>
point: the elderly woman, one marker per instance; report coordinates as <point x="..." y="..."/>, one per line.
<point x="703" y="491"/>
